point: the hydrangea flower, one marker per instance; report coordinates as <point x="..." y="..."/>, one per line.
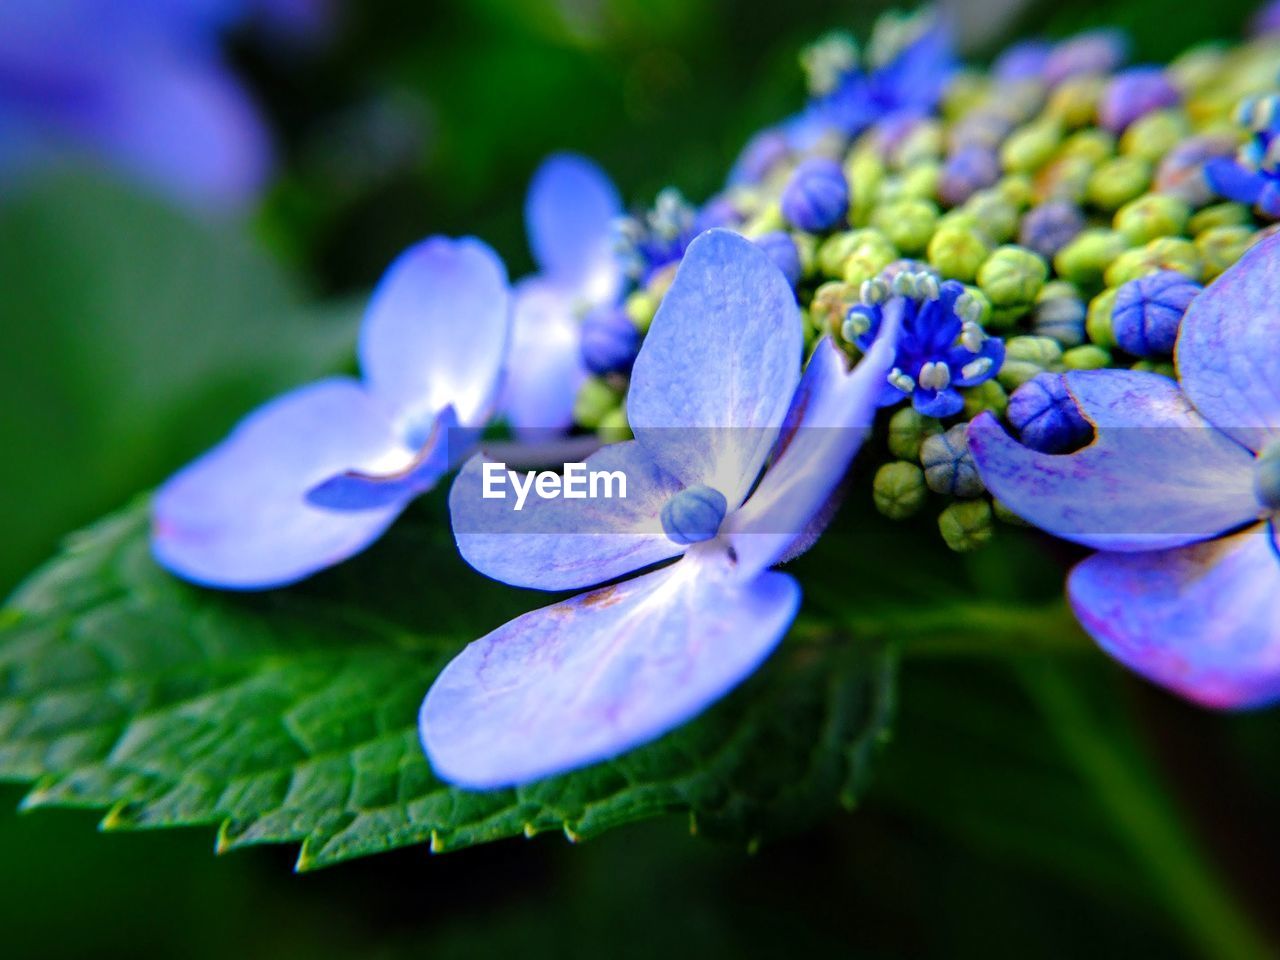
<point x="318" y="474"/>
<point x="139" y="85"/>
<point x="1180" y="489"/>
<point x="1253" y="175"/>
<point x="942" y="346"/>
<point x="716" y="393"/>
<point x="570" y="213"/>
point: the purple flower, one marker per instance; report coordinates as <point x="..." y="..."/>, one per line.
<point x="1045" y="415"/>
<point x="1051" y="226"/>
<point x="570" y="213"/>
<point x="941" y="346"/>
<point x="316" y="475"/>
<point x="969" y="169"/>
<point x="1133" y="94"/>
<point x="610" y="340"/>
<point x="1253" y="176"/>
<point x="1180" y="489"/>
<point x="817" y="195"/>
<point x="1092" y="52"/>
<point x="139" y="86"/>
<point x="715" y="394"/>
<point x="1148" y="312"/>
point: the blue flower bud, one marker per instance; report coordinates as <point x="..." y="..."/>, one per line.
<point x="1050" y="227"/>
<point x="1046" y="416"/>
<point x="781" y="249"/>
<point x="1060" y="314"/>
<point x="817" y="195"/>
<point x="948" y="465"/>
<point x="1095" y="51"/>
<point x="967" y="170"/>
<point x="1133" y="94"/>
<point x="610" y="340"/>
<point x="1266" y="479"/>
<point x="694" y="514"/>
<point x="1148" y="312"/>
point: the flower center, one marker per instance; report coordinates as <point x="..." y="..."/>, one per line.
<point x="1266" y="477"/>
<point x="694" y="515"/>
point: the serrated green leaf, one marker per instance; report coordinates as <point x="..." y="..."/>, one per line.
<point x="290" y="716"/>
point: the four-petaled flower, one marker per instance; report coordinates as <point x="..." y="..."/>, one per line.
<point x="1253" y="175"/>
<point x="942" y="345"/>
<point x="318" y="474"/>
<point x="1180" y="487"/>
<point x="716" y="393"/>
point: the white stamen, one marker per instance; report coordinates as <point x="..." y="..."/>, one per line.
<point x="976" y="368"/>
<point x="972" y="336"/>
<point x="901" y="380"/>
<point x="935" y="375"/>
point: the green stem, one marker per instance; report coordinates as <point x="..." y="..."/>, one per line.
<point x="1145" y="819"/>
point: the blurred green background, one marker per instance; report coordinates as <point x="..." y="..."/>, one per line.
<point x="1019" y="811"/>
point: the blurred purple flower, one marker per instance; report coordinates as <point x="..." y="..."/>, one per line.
<point x="1132" y="94"/>
<point x="715" y="393"/>
<point x="318" y="474"/>
<point x="1180" y="489"/>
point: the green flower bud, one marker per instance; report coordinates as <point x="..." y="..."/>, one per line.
<point x="1012" y="276"/>
<point x="1018" y="188"/>
<point x="1220" y="247"/>
<point x="1118" y="181"/>
<point x="640" y="307"/>
<point x="868" y="245"/>
<point x="1152" y="215"/>
<point x="920" y="181"/>
<point x="1024" y="357"/>
<point x="1197" y="68"/>
<point x="965" y="90"/>
<point x="1059" y="313"/>
<point x="661" y="281"/>
<point x="994" y="214"/>
<point x="1030" y="147"/>
<point x="1085" y="259"/>
<point x="1220" y="215"/>
<point x="1074" y="102"/>
<point x="865" y="172"/>
<point x="1097" y="322"/>
<point x="909" y="224"/>
<point x="1152" y="136"/>
<point x="613" y="427"/>
<point x="957" y="252"/>
<point x="807" y="250"/>
<point x="1005" y="515"/>
<point x="1066" y="178"/>
<point x="1163" y="253"/>
<point x="830" y="305"/>
<point x="1093" y="144"/>
<point x="908" y="430"/>
<point x="925" y="143"/>
<point x="595" y="400"/>
<point x="1086" y="357"/>
<point x="966" y="525"/>
<point x="899" y="490"/>
<point x="1163" y="367"/>
<point x="948" y="465"/>
<point x="988" y="395"/>
<point x="768" y="219"/>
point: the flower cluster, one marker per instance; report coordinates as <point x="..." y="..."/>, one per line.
<point x="1010" y="260"/>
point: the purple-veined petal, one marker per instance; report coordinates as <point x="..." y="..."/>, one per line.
<point x="436" y="332"/>
<point x="546" y="369"/>
<point x="1202" y="620"/>
<point x="832" y="412"/>
<point x="714" y="379"/>
<point x="589" y="678"/>
<point x="1156" y="474"/>
<point x="570" y="212"/>
<point x="1228" y="350"/>
<point x="237" y="517"/>
<point x="561" y="543"/>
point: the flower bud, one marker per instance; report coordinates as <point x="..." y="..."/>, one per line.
<point x="1046" y="416"/>
<point x="1059" y="313"/>
<point x="816" y="196"/>
<point x="948" y="465"/>
<point x="1048" y="228"/>
<point x="830" y="305"/>
<point x="957" y="252"/>
<point x="613" y="426"/>
<point x="1012" y="276"/>
<point x="966" y="525"/>
<point x="1084" y="260"/>
<point x="899" y="490"/>
<point x="865" y="172"/>
<point x="1065" y="179"/>
<point x="1091" y="144"/>
<point x="908" y="429"/>
<point x="1088" y="356"/>
<point x="1094" y="51"/>
<point x="1097" y="321"/>
<point x="641" y="305"/>
<point x="1153" y="136"/>
<point x="610" y="341"/>
<point x="966" y="171"/>
<point x="594" y="401"/>
<point x="909" y="224"/>
<point x="920" y="181"/>
<point x="1135" y="93"/>
<point x="1030" y="147"/>
<point x="1220" y="215"/>
<point x="1117" y="181"/>
<point x="1075" y="101"/>
<point x="1220" y="247"/>
<point x="986" y="396"/>
<point x="1025" y="357"/>
<point x="1148" y="312"/>
<point x="1005" y="515"/>
<point x="1162" y="367"/>
<point x="694" y="514"/>
<point x="781" y="249"/>
<point x="1163" y="253"/>
<point x="1151" y="215"/>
